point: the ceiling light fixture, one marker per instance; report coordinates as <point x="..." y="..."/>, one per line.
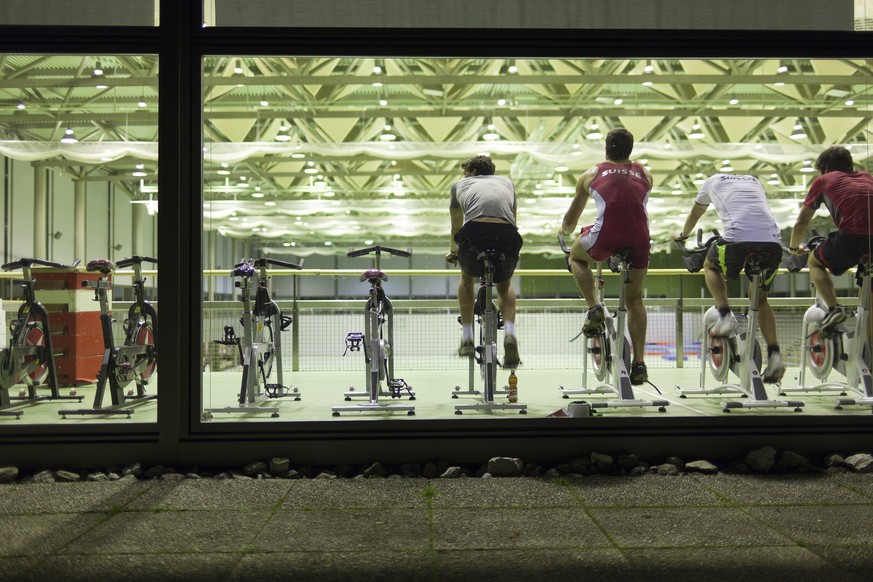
<point x="593" y="132"/>
<point x="283" y="134"/>
<point x="69" y="137"/>
<point x="490" y="133"/>
<point x="696" y="132"/>
<point x="726" y="166"/>
<point x="98" y="70"/>
<point x="139" y="172"/>
<point x="797" y="132"/>
<point x="21" y="105"/>
<point x="774" y="180"/>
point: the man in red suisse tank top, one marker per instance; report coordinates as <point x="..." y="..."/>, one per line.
<point x="620" y="190"/>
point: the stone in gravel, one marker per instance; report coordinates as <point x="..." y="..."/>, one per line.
<point x="279" y="465"/>
<point x="581" y="466"/>
<point x="668" y="469"/>
<point x="64" y="476"/>
<point x="505" y="467"/>
<point x="326" y="475"/>
<point x="134" y="469"/>
<point x="172" y="477"/>
<point x="192" y="476"/>
<point x="44" y="477"/>
<point x="834" y="460"/>
<point x="627" y="462"/>
<point x="638" y="470"/>
<point x="254" y="468"/>
<point x="290" y="474"/>
<point x="8" y="474"/>
<point x="680" y="464"/>
<point x="238" y="475"/>
<point x="701" y="466"/>
<point x="154" y="472"/>
<point x="532" y="470"/>
<point x="452" y="473"/>
<point x="127" y="478"/>
<point x="410" y="470"/>
<point x="430" y="471"/>
<point x="97" y="476"/>
<point x="860" y="463"/>
<point x="601" y="462"/>
<point x="375" y="470"/>
<point x="761" y="460"/>
<point x="553" y="473"/>
<point x="344" y="471"/>
<point x="791" y="461"/>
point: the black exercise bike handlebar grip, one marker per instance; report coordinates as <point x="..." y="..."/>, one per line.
<point x="26" y="262"/>
<point x="267" y="261"/>
<point x="379" y="249"/>
<point x="128" y="261"/>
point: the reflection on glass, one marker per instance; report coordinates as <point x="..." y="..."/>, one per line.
<point x="306" y="159"/>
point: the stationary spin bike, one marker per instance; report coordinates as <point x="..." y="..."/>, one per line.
<point x="260" y="347"/>
<point x="377" y="341"/>
<point x="137" y="358"/>
<point x="486" y="352"/>
<point x="29" y="357"/>
<point x="843" y="348"/>
<point x="737" y="353"/>
<point x="609" y="348"/>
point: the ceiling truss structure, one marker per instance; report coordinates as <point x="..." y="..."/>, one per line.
<point x="301" y="152"/>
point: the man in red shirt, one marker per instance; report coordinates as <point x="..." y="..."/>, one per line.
<point x="848" y="196"/>
<point x="620" y="190"/>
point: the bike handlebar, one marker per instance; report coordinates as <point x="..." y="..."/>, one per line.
<point x="27" y="262"/>
<point x="563" y="243"/>
<point x="378" y="250"/>
<point x="128" y="261"/>
<point x="264" y="261"/>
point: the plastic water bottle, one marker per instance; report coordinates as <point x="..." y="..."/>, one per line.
<point x="513" y="387"/>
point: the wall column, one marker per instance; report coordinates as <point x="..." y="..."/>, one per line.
<point x="79" y="220"/>
<point x="40" y="213"/>
<point x="139" y="218"/>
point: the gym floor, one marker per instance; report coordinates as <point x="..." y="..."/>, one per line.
<point x="539" y="389"/>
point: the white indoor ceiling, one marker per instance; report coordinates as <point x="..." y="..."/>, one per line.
<point x="300" y="152"/>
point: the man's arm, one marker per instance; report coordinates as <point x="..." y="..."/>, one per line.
<point x="571" y="217"/>
<point x="696" y="212"/>
<point x="457" y="216"/>
<point x="799" y="231"/>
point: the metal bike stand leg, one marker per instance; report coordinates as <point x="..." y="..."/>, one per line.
<point x="489" y="354"/>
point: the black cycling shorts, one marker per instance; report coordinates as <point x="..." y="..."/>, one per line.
<point x="841" y="251"/>
<point x="475" y="237"/>
<point x="730" y="258"/>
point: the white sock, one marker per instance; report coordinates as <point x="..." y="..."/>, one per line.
<point x="467" y="332"/>
<point x="509" y="327"/>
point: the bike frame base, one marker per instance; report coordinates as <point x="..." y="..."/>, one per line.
<point x="273" y="410"/>
<point x="373" y="407"/>
<point x="521" y="408"/>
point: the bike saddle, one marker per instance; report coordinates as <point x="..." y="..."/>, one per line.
<point x="754" y="262"/>
<point x="104" y="266"/>
<point x="619" y="256"/>
<point x="370" y="274"/>
<point x="491" y="255"/>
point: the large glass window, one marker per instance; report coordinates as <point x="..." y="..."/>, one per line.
<point x="80" y="12"/>
<point x="308" y="158"/>
<point x="79" y="286"/>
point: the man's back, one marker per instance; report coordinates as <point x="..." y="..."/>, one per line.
<point x="741" y="205"/>
<point x="621" y="192"/>
<point x="484" y="196"/>
<point x="848" y="196"/>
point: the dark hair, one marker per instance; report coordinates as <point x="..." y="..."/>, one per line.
<point x="835" y="158"/>
<point x="619" y="144"/>
<point x="480" y="166"/>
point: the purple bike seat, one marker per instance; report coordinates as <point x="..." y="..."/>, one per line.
<point x="373" y="274"/>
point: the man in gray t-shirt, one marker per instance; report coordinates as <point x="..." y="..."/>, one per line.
<point x="747" y="226"/>
<point x="483" y="210"/>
